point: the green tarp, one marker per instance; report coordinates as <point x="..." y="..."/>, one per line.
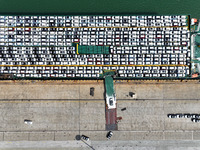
<point x="84" y="49"/>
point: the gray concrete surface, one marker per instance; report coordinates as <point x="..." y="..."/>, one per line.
<point x="61" y="110"/>
<point x="102" y="145"/>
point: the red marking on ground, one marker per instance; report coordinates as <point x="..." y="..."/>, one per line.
<point x="111" y="118"/>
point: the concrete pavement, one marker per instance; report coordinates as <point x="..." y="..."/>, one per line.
<point x="61" y="110"/>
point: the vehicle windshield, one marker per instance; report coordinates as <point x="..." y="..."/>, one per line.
<point x="111" y="101"/>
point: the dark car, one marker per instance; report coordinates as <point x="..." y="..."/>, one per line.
<point x="179" y="115"/>
<point x="194" y="115"/>
<point x="109" y="135"/>
<point x="171" y="116"/>
<point x="197" y="116"/>
<point x="92" y="91"/>
<point x="195" y="120"/>
<point x="187" y="116"/>
<point x="86" y="138"/>
<point x="111" y="102"/>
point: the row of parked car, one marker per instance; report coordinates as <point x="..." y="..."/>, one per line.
<point x="194" y="117"/>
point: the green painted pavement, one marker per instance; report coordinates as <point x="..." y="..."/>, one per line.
<point x="109" y="86"/>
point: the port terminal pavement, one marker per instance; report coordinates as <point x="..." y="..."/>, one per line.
<point x="62" y="110"/>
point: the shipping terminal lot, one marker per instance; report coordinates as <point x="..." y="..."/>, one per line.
<point x="85" y="46"/>
<point x="62" y="110"/>
<point x="99" y="82"/>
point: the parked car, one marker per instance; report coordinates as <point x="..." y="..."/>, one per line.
<point x="92" y="91"/>
<point x="195" y="120"/>
<point x="111" y="102"/>
<point x="86" y="138"/>
<point x="187" y="116"/>
<point x="179" y="115"/>
<point x="26" y="121"/>
<point x="171" y="116"/>
<point x="194" y="115"/>
<point x="109" y="135"/>
<point x="197" y="116"/>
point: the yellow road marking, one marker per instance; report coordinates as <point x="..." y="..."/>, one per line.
<point x="77" y="48"/>
<point x="109" y="70"/>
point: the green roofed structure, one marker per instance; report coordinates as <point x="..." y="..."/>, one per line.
<point x="86" y="49"/>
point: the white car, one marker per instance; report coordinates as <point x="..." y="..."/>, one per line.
<point x="29" y="122"/>
<point x="86" y="138"/>
<point x="195" y="120"/>
<point x="109" y="135"/>
<point x="111" y="101"/>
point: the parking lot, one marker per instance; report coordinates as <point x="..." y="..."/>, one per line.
<point x="136" y="46"/>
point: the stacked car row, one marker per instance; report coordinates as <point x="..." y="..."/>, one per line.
<point x="47" y="34"/>
<point x="97" y="36"/>
<point x="194" y="117"/>
<point x="165" y="72"/>
<point x="109" y="30"/>
<point x="72" y="75"/>
<point x="139" y="50"/>
<point x="142" y="37"/>
<point x="148" y="49"/>
<point x="132" y="31"/>
<point x="72" y="59"/>
<point x="93" y="21"/>
<point x="153" y="55"/>
<point x="81" y="71"/>
<point x="133" y="51"/>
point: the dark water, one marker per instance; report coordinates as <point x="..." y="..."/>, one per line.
<point x="135" y="7"/>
